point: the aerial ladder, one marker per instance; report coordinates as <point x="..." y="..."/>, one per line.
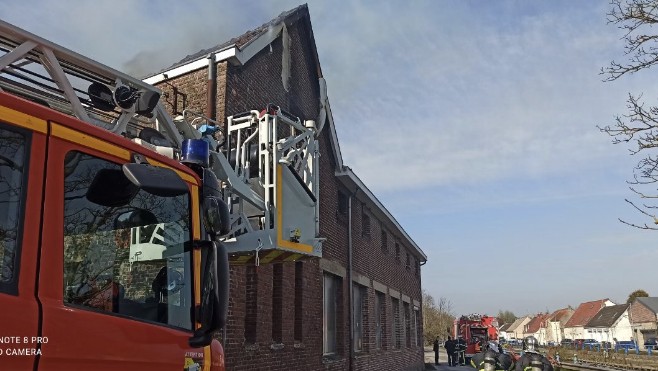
<point x="266" y="161"/>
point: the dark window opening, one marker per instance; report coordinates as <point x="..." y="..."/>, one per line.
<point x="365" y="226"/>
<point x="359" y="314"/>
<point x="397" y="251"/>
<point x="342" y="203"/>
<point x="380" y="319"/>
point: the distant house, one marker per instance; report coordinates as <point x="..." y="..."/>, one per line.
<point x="502" y="331"/>
<point x="555" y="324"/>
<point x="610" y="323"/>
<point x="535" y="327"/>
<point x="575" y="326"/>
<point x="515" y="330"/>
<point x="643" y="314"/>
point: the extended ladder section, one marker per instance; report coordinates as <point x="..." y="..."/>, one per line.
<point x="267" y="163"/>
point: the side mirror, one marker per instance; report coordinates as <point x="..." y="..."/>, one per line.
<point x="215" y="211"/>
<point x="216" y="216"/>
<point x="214" y="292"/>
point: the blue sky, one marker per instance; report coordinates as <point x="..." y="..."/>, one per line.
<point x="482" y="114"/>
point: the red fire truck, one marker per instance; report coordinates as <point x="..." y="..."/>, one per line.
<point x="474" y="328"/>
<point x="117" y="222"/>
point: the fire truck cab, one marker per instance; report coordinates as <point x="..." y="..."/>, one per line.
<point x="110" y="257"/>
<point x="475" y="328"/>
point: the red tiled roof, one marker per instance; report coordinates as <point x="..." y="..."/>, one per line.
<point x="536" y="323"/>
<point x="585" y="312"/>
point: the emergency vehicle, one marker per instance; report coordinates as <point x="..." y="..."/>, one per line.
<point x="117" y="222"/>
<point x="474" y="328"/>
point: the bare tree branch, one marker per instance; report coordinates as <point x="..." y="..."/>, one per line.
<point x="638" y="127"/>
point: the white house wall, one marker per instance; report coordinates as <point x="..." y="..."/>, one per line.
<point x="574" y="332"/>
<point x="541" y="336"/>
<point x="554" y="332"/>
<point x="622" y="329"/>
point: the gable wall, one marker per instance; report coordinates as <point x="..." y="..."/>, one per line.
<point x="252" y="86"/>
<point x="639" y="313"/>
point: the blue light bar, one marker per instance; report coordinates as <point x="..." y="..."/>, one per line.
<point x="195" y="151"/>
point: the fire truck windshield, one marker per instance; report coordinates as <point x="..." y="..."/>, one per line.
<point x="126" y="251"/>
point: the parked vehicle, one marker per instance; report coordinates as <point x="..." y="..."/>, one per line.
<point x="651" y="342"/>
<point x="567" y="342"/>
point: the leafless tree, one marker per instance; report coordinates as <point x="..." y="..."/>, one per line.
<point x="639" y="126"/>
<point x="437" y="318"/>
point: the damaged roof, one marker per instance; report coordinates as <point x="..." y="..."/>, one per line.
<point x="243" y="40"/>
<point x="239" y="50"/>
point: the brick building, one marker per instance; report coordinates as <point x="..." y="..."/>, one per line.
<point x="643" y="315"/>
<point x="298" y="315"/>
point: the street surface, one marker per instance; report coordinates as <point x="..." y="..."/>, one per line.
<point x="443" y="361"/>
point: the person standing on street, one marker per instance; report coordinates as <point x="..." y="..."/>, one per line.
<point x="436" y="351"/>
<point x="450" y="350"/>
<point x="532" y="360"/>
<point x="461" y="351"/>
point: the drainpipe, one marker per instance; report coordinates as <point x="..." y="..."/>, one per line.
<point x="211" y="105"/>
<point x="350" y="274"/>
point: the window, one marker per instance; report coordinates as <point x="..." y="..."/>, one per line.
<point x="330" y="315"/>
<point x="365" y="225"/>
<point x="277" y="303"/>
<point x="380" y="319"/>
<point x="407" y="264"/>
<point x="343" y="203"/>
<point x="358" y="312"/>
<point x="407" y="325"/>
<point x="416" y="325"/>
<point x="131" y="258"/>
<point x="13" y="173"/>
<point x="396" y="340"/>
<point x="384" y="241"/>
<point x="397" y="251"/>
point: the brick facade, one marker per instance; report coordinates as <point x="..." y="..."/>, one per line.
<point x="639" y="313"/>
<point x="276" y="311"/>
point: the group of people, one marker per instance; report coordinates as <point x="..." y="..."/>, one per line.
<point x="494" y="358"/>
<point x="456" y="349"/>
